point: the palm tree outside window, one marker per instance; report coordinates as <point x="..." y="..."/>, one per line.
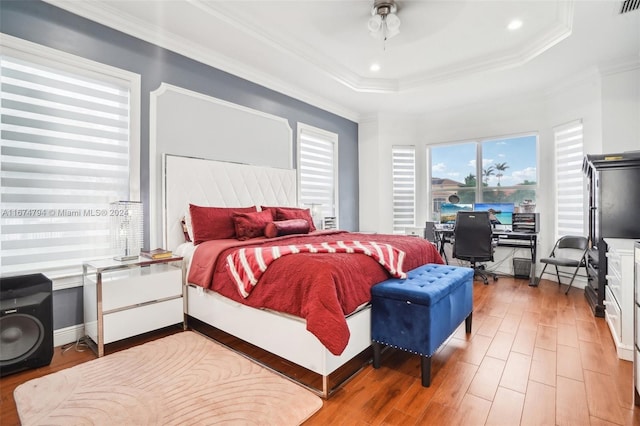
<point x="500" y="167"/>
<point x="502" y="170"/>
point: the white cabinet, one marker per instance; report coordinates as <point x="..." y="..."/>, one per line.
<point x="124" y="299"/>
<point x="619" y="295"/>
<point x="636" y="370"/>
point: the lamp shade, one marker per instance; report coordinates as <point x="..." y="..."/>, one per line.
<point x="384" y="23"/>
<point x="393" y="24"/>
<point x="126" y="229"/>
<point x="375" y="23"/>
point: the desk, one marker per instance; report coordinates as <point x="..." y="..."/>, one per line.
<point x="502" y="239"/>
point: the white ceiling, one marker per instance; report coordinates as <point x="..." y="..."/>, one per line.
<point x="447" y="53"/>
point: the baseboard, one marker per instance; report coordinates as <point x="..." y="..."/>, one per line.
<point x="66" y="335"/>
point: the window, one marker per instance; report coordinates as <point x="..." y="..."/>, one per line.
<point x="498" y="170"/>
<point x="569" y="179"/>
<point x="453" y="171"/>
<point x="318" y="172"/>
<point x="66" y="152"/>
<point x="404" y="187"/>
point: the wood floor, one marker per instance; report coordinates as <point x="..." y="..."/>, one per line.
<point x="534" y="357"/>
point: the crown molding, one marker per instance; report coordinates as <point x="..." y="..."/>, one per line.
<point x="620" y="65"/>
<point x="587" y="76"/>
<point x="502" y="60"/>
<point x="111" y="17"/>
<point x="106" y="15"/>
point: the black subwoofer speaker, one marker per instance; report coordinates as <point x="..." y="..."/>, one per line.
<point x="26" y="323"/>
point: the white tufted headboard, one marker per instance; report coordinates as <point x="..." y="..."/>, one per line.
<point x="218" y="184"/>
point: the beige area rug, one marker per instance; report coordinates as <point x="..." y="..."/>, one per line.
<point x="183" y="379"/>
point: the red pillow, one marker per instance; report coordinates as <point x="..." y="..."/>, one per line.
<point x="286" y="213"/>
<point x="286" y="227"/>
<point x="214" y="223"/>
<point x="251" y="225"/>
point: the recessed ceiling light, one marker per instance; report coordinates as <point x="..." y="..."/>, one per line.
<point x="375" y="67"/>
<point x="515" y="24"/>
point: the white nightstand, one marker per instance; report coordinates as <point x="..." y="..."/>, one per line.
<point x="124" y="299"/>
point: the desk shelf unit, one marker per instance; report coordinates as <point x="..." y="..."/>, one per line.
<point x="124" y="299"/>
<point x="523" y="240"/>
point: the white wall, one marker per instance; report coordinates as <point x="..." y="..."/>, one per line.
<point x="621" y="110"/>
<point x="608" y="105"/>
<point x="369" y="162"/>
<point x="376" y="138"/>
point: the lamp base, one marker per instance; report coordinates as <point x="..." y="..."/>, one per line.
<point x="123" y="258"/>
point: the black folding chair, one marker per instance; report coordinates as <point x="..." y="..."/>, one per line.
<point x="569" y="251"/>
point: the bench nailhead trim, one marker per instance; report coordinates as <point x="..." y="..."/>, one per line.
<point x="409" y="350"/>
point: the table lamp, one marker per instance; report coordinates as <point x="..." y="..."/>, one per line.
<point x="126" y="229"/>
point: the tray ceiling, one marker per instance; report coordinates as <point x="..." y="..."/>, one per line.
<point x="447" y="52"/>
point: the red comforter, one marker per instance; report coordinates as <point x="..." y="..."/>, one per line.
<point x="322" y="288"/>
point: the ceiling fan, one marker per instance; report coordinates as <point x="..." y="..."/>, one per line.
<point x="384" y="23"/>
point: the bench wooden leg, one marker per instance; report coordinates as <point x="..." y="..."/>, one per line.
<point x="425" y="366"/>
<point x="467" y="323"/>
<point x="377" y="351"/>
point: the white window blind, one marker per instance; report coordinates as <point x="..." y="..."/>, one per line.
<point x="569" y="179"/>
<point x="318" y="171"/>
<point x="404" y="187"/>
<point x="64" y="157"/>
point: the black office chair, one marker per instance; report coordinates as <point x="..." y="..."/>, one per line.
<point x="473" y="241"/>
<point x="430" y="232"/>
<point x="569" y="251"/>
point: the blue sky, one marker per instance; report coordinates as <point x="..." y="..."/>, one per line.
<point x="457" y="161"/>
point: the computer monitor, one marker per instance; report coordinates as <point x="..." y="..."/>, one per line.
<point x="502" y="212"/>
<point x="448" y="211"/>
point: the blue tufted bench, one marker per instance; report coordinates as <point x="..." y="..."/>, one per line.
<point x="419" y="313"/>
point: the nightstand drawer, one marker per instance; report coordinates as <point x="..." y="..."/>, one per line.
<point x="132" y="287"/>
<point x="130" y="322"/>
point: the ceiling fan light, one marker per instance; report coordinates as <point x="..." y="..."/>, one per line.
<point x="375" y="24"/>
<point x="384" y="23"/>
<point x="393" y="23"/>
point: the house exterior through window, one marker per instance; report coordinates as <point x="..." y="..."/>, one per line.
<point x="492" y="170"/>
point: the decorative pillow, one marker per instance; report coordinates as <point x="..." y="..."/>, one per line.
<point x="286" y="213"/>
<point x="286" y="227"/>
<point x="251" y="225"/>
<point x="214" y="223"/>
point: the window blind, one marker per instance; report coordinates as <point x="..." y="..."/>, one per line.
<point x="569" y="179"/>
<point x="64" y="157"/>
<point x="317" y="170"/>
<point x="404" y="187"/>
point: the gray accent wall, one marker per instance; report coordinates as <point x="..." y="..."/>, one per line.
<point x="50" y="26"/>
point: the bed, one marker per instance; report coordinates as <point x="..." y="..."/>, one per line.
<point x="319" y="342"/>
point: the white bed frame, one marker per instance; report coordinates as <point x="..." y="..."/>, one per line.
<point x="214" y="183"/>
